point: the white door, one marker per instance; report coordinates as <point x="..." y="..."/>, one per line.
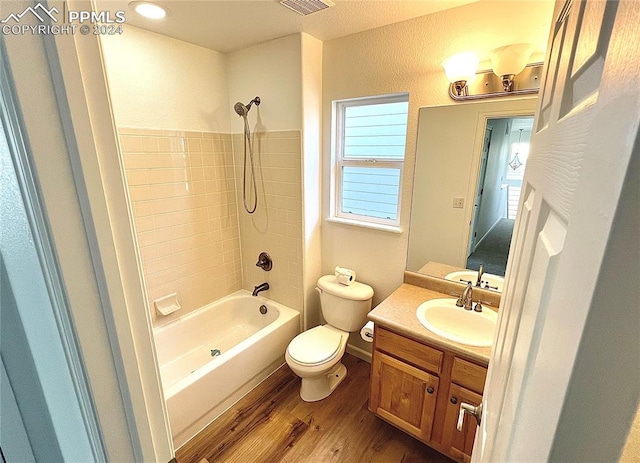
<point x="563" y="381"/>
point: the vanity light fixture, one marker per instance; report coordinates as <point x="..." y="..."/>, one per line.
<point x="149" y="9"/>
<point x="509" y="61"/>
<point x="460" y="69"/>
<point x="511" y="75"/>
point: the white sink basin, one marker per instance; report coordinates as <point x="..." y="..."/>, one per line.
<point x="463" y="276"/>
<point x="444" y="318"/>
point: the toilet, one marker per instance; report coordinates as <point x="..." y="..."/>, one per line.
<point x="315" y="354"/>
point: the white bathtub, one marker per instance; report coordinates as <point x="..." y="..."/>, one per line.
<point x="198" y="387"/>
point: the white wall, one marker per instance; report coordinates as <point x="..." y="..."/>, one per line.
<point x="398" y="58"/>
<point x="311" y="175"/>
<point x="158" y="82"/>
<point x="272" y="71"/>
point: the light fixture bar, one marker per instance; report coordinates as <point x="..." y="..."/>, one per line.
<point x="488" y="85"/>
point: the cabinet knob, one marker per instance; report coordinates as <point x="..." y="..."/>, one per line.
<point x="430" y="390"/>
<point x="453" y="400"/>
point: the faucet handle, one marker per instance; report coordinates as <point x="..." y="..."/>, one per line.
<point x="264" y="262"/>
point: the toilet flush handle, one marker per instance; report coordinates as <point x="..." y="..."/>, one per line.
<point x="319" y="290"/>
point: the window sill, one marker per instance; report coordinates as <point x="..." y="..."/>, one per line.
<point x="372" y="226"/>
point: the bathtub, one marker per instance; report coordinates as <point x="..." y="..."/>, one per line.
<point x="213" y="356"/>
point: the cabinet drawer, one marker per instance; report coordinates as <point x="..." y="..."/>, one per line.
<point x="408" y="350"/>
<point x="468" y="374"/>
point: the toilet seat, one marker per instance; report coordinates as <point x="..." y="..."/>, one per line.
<point x="315" y="346"/>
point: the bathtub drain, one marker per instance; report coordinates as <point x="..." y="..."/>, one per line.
<point x="215" y="352"/>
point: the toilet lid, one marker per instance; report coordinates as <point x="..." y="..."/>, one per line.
<point x="314" y="346"/>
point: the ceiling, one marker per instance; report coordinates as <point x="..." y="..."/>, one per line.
<point x="229" y="25"/>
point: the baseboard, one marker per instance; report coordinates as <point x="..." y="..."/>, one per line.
<point x="495" y="224"/>
<point x="360" y="353"/>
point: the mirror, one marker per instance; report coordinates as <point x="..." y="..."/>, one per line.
<point x="469" y="164"/>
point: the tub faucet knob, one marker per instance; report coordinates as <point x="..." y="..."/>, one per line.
<point x="264" y="262"/>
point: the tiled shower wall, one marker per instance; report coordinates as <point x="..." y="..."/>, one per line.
<point x="186" y="194"/>
<point x="276" y="226"/>
<point x="182" y="188"/>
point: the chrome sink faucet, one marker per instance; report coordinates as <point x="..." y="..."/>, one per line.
<point x="259" y="288"/>
<point x="480" y="273"/>
<point x="466" y="298"/>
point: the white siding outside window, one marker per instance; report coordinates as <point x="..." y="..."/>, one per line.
<point x="370" y="138"/>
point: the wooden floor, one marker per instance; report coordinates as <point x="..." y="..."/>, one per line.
<point x="272" y="424"/>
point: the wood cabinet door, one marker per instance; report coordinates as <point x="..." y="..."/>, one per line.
<point x="403" y="395"/>
<point x="460" y="444"/>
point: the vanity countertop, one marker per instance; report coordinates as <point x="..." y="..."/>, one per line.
<point x="398" y="313"/>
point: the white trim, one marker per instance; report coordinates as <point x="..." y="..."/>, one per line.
<point x="495" y="224"/>
<point x="82" y="79"/>
<point x="362" y="224"/>
<point x="359" y="352"/>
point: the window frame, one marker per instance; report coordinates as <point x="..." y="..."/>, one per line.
<point x="339" y="161"/>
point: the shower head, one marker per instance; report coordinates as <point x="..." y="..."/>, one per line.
<point x="243" y="110"/>
<point x="240" y="109"/>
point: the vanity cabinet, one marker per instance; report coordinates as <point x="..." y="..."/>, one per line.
<point x="419" y="388"/>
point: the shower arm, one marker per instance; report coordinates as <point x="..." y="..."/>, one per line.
<point x="256" y="100"/>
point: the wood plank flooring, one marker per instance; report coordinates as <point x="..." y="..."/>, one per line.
<point x="273" y="424"/>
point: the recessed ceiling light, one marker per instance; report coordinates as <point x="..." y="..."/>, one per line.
<point x="149" y="10"/>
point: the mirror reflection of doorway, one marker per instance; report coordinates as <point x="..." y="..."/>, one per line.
<point x="504" y="157"/>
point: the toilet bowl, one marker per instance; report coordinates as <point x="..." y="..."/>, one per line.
<point x="315" y="354"/>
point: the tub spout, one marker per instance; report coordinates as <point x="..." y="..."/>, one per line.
<point x="259" y="288"/>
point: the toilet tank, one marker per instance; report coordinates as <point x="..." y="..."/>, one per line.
<point x="344" y="307"/>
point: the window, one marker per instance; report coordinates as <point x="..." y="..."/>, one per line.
<point x="369" y="143"/>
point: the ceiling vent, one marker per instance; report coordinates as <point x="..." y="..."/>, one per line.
<point x="306" y="7"/>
